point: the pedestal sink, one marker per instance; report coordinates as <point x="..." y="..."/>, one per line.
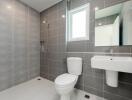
<point x="112" y="65"/>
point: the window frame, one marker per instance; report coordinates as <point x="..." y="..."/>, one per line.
<point x="72" y="12"/>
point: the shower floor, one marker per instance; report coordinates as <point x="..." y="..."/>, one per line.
<point x="39" y="90"/>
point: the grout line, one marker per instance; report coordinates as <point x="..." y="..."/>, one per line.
<point x="118" y="95"/>
<point x="98" y="53"/>
<point x="127" y="83"/>
<point x="93" y="76"/>
<point x="131" y="51"/>
<point x="103" y="84"/>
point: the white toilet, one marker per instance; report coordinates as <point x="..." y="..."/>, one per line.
<point x="65" y="83"/>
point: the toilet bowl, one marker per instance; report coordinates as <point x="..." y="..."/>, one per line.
<point x="65" y="83"/>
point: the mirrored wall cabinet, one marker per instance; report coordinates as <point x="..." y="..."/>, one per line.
<point x="113" y="25"/>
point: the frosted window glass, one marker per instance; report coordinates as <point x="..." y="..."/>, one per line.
<point x="79" y="24"/>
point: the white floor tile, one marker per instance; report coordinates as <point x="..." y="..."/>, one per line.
<point x="39" y="90"/>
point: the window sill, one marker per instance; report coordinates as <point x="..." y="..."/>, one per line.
<point x="78" y="39"/>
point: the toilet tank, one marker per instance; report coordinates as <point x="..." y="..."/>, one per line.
<point x="74" y="65"/>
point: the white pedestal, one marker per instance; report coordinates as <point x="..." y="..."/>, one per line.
<point x="65" y="97"/>
<point x="112" y="78"/>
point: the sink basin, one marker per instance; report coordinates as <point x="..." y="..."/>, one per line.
<point x="120" y="64"/>
<point x="112" y="65"/>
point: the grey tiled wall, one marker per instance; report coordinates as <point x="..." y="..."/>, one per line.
<point x="53" y="60"/>
<point x="19" y="43"/>
<point x="53" y="34"/>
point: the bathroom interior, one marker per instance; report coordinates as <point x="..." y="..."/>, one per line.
<point x="66" y="50"/>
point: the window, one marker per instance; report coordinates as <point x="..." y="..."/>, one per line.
<point x="78" y="24"/>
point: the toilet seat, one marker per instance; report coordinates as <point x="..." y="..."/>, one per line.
<point x="65" y="79"/>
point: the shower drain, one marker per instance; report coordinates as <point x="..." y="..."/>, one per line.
<point x="38" y="79"/>
<point x="87" y="96"/>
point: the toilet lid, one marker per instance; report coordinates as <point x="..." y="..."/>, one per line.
<point x="65" y="79"/>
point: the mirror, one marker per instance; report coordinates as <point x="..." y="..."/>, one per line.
<point x="113" y="25"/>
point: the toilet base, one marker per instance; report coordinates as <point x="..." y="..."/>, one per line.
<point x="65" y="97"/>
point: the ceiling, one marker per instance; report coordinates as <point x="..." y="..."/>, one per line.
<point x="108" y="11"/>
<point x="40" y="5"/>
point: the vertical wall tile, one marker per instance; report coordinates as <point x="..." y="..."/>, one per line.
<point x="113" y="2"/>
<point x="14" y="46"/>
<point x="6" y="75"/>
<point x="33" y="43"/>
<point x="55" y="41"/>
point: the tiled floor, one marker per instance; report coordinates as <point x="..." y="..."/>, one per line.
<point x="39" y="90"/>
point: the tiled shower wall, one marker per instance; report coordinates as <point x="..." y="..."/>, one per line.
<point x="19" y="43"/>
<point x="53" y="59"/>
<point x="53" y="34"/>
